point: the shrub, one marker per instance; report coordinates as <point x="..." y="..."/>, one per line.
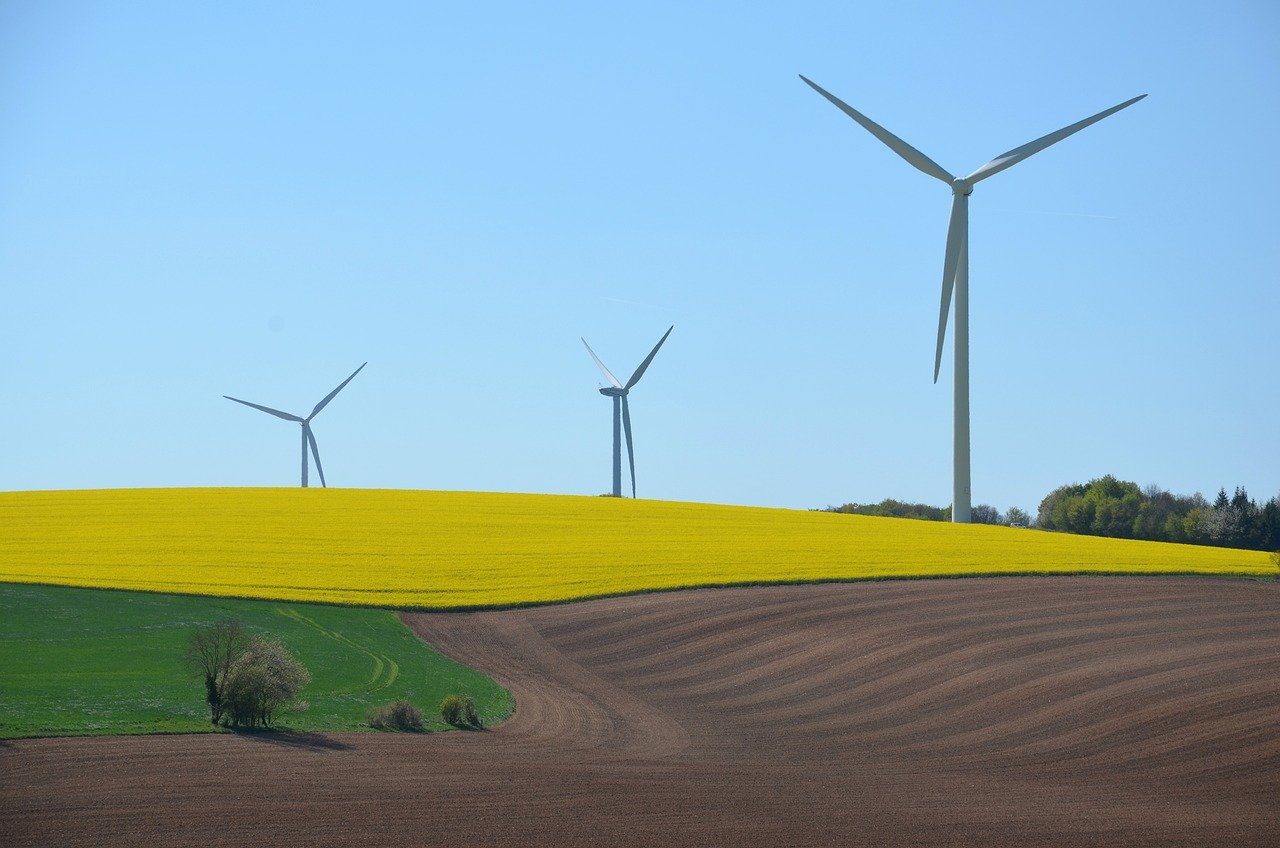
<point x="460" y="711"/>
<point x="469" y="714"/>
<point x="451" y="709"/>
<point x="264" y="681"/>
<point x="398" y="715"/>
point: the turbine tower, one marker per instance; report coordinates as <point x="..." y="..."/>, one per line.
<point x="955" y="267"/>
<point x="308" y="438"/>
<point x="622" y="412"/>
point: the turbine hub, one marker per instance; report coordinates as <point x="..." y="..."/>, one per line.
<point x="961" y="186"/>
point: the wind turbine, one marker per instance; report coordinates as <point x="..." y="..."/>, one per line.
<point x="622" y="413"/>
<point x="308" y="438"/>
<point x="955" y="266"/>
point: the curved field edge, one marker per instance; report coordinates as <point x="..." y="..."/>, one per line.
<point x="426" y="550"/>
<point x="86" y="662"/>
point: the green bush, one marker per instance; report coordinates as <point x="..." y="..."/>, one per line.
<point x="265" y="680"/>
<point x="398" y="715"/>
<point x="460" y="711"/>
<point x="469" y="714"/>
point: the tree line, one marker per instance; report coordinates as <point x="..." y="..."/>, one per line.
<point x="1107" y="506"/>
<point x="1118" y="508"/>
<point x="891" y="508"/>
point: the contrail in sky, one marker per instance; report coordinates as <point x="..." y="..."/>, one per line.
<point x="631" y="302"/>
<point x="1060" y="214"/>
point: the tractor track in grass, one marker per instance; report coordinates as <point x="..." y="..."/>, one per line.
<point x="381" y="662"/>
<point x="1054" y="711"/>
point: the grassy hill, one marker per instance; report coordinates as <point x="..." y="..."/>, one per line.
<point x="454" y="550"/>
<point x="79" y="662"/>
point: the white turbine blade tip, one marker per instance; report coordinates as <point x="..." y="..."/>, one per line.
<point x="912" y="156"/>
<point x="1012" y="157"/>
<point x="608" y="375"/>
<point x="325" y="402"/>
<point x="639" y="372"/>
<point x="276" y="412"/>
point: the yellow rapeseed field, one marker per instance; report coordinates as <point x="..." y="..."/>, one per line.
<point x="471" y="549"/>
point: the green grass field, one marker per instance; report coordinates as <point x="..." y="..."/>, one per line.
<point x="76" y="662"/>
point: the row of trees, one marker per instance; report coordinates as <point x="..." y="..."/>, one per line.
<point x="890" y="508"/>
<point x="1107" y="506"/>
<point x="1118" y="508"/>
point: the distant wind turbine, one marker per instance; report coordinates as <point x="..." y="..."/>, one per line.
<point x="622" y="412"/>
<point x="955" y="267"/>
<point x="308" y="438"/>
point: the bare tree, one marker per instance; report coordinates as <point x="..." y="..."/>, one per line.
<point x="211" y="653"/>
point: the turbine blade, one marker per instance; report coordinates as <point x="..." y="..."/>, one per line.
<point x="322" y="404"/>
<point x="608" y="375"/>
<point x="957" y="238"/>
<point x="1013" y="157"/>
<point x="631" y="456"/>
<point x="277" y="413"/>
<point x="897" y="145"/>
<point x="315" y="452"/>
<point x="635" y="378"/>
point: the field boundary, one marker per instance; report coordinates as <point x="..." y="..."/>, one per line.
<point x="740" y="584"/>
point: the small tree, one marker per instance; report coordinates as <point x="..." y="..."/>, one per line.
<point x="985" y="514"/>
<point x="264" y="681"/>
<point x="1017" y="518"/>
<point x="211" y="652"/>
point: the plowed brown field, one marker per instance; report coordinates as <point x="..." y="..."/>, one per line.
<point x="1055" y="711"/>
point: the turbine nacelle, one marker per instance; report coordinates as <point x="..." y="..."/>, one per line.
<point x="609" y="391"/>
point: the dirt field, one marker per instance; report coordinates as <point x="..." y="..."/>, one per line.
<point x="1057" y="711"/>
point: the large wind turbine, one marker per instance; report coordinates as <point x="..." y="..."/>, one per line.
<point x="308" y="438"/>
<point x="622" y="413"/>
<point x="955" y="266"/>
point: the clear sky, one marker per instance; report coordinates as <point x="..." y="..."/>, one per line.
<point x="199" y="199"/>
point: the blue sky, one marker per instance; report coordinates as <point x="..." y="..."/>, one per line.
<point x="209" y="199"/>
